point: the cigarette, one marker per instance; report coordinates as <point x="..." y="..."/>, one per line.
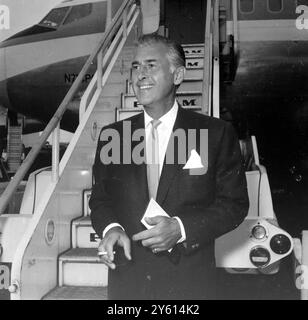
<point x="103" y="253"/>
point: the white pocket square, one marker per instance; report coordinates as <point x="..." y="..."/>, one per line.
<point x="194" y="161"/>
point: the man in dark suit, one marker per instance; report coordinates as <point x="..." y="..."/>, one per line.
<point x="174" y="259"/>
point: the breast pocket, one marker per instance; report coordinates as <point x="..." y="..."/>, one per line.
<point x="194" y="186"/>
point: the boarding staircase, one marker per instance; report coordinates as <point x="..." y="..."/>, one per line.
<point x="14" y="148"/>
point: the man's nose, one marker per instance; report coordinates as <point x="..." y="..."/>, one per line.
<point x="143" y="73"/>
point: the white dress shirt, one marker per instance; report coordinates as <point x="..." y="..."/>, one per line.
<point x="164" y="131"/>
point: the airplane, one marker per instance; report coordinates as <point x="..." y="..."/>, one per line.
<point x="39" y="64"/>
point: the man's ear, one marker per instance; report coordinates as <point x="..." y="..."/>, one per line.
<point x="179" y="74"/>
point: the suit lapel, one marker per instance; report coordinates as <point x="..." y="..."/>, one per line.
<point x="139" y="172"/>
<point x="170" y="170"/>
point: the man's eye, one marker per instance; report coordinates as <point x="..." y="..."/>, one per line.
<point x="151" y="65"/>
<point x="135" y="67"/>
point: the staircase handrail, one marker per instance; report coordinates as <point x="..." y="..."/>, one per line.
<point x="207" y="61"/>
<point x="53" y="125"/>
<point x="210" y="89"/>
<point x="235" y="24"/>
<point x="216" y="62"/>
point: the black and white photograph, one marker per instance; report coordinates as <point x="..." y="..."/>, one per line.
<point x="153" y="153"/>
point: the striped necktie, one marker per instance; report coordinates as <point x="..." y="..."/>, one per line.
<point x="153" y="159"/>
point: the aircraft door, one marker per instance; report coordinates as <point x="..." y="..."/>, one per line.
<point x="184" y="19"/>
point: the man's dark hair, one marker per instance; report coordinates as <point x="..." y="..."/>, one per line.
<point x="176" y="55"/>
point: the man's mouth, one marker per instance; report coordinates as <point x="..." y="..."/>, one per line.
<point x="145" y="87"/>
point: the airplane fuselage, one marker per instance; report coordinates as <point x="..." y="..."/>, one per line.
<point x="39" y="64"/>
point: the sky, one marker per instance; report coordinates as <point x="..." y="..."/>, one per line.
<point x="25" y="13"/>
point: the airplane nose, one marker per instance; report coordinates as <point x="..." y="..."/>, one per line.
<point x="4" y="99"/>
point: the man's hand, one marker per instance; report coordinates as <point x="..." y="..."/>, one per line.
<point x="114" y="236"/>
<point x="163" y="236"/>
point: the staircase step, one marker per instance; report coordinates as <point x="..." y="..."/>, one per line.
<point x="15" y="137"/>
<point x="14" y="147"/>
<point x="185" y="98"/>
<point x="194" y="73"/>
<point x="77" y="293"/>
<point x="126" y="113"/>
<point x="193" y="49"/>
<point x="189" y="84"/>
<point x="194" y="56"/>
<point x="194" y="62"/>
<point x="83" y="235"/>
<point x="80" y="255"/>
<point x="82" y="267"/>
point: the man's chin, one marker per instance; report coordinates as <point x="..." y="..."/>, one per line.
<point x="144" y="102"/>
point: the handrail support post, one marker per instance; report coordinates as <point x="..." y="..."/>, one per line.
<point x="99" y="69"/>
<point x="235" y="24"/>
<point x="125" y="23"/>
<point x="55" y="153"/>
<point x="206" y="106"/>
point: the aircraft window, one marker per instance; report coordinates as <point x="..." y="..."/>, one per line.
<point x="54" y="17"/>
<point x="274" y="5"/>
<point x="246" y="6"/>
<point x="78" y="12"/>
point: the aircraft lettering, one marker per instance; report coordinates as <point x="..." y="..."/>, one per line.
<point x="71" y="77"/>
<point x="4" y="277"/>
<point x="193" y="51"/>
<point x="193" y="64"/>
<point x="87" y="77"/>
<point x="191" y="102"/>
<point x="4" y="17"/>
<point x="302" y="20"/>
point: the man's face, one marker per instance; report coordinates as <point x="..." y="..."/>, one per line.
<point x="153" y="77"/>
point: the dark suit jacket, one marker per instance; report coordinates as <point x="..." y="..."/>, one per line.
<point x="209" y="205"/>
